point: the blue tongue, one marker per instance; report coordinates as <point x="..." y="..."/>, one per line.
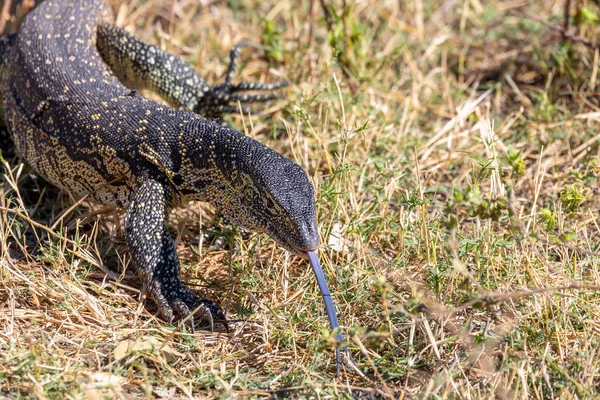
<point x="333" y="321"/>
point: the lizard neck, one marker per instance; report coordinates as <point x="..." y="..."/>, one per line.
<point x="212" y="161"/>
<point x="253" y="185"/>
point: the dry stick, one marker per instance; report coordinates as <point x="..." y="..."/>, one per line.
<point x="36" y="224"/>
<point x="67" y="212"/>
<point x="346" y="35"/>
<point x="567" y="35"/>
<point x="311" y="22"/>
<point x="328" y="18"/>
<point x="567" y="13"/>
<point x="4" y="15"/>
<point x="569" y="246"/>
<point x="516" y="295"/>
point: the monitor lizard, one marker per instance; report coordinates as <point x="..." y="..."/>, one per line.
<point x="69" y="81"/>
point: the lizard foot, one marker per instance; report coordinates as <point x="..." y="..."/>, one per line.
<point x="223" y="98"/>
<point x="184" y="302"/>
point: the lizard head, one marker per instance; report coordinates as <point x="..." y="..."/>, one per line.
<point x="280" y="201"/>
<point x="258" y="189"/>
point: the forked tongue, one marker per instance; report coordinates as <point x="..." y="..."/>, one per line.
<point x="333" y="321"/>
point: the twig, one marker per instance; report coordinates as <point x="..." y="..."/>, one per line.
<point x="37" y="225"/>
<point x="567" y="35"/>
<point x="311" y="22"/>
<point x="328" y="17"/>
<point x="4" y="15"/>
<point x="567" y="13"/>
<point x="497" y="297"/>
<point x="569" y="246"/>
<point x="67" y="212"/>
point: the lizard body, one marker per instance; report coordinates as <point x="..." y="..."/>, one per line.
<point x="67" y="79"/>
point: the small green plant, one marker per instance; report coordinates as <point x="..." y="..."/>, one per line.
<point x="515" y="160"/>
<point x="548" y="219"/>
<point x="271" y="40"/>
<point x="586" y="15"/>
<point x="475" y="204"/>
<point x="571" y="198"/>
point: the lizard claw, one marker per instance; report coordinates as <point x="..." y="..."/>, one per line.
<point x="223" y="98"/>
<point x="185" y="303"/>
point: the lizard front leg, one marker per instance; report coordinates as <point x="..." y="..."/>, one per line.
<point x="154" y="256"/>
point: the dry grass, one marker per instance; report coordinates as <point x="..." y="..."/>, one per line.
<point x="456" y="154"/>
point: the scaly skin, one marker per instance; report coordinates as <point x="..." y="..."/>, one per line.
<point x="67" y="78"/>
